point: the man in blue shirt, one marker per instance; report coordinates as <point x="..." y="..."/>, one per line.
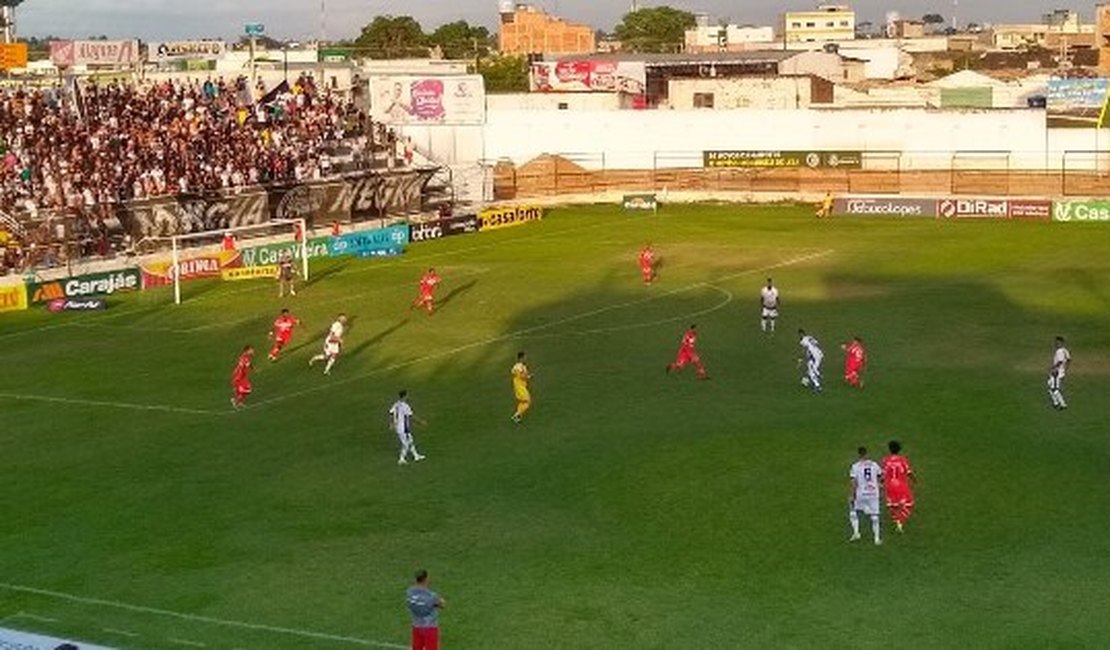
<point x="424" y="605"/>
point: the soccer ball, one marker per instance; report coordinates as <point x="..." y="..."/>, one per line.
<point x="805" y="381"/>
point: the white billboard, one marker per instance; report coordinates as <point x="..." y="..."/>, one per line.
<point x="69" y="53"/>
<point x="173" y="50"/>
<point x="450" y="99"/>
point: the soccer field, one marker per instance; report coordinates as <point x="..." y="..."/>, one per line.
<point x="631" y="509"/>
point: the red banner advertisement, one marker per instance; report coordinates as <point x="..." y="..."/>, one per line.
<point x="973" y="209"/>
<point x="1026" y="209"/>
<point x="585" y="76"/>
<point x="160" y="274"/>
<point x="69" y="53"/>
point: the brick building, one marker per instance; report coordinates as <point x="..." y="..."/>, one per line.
<point x="528" y="30"/>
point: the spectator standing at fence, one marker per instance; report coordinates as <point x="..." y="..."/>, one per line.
<point x="424" y="605"/>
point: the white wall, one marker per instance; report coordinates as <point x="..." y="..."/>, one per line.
<point x="631" y="139"/>
<point x="551" y="101"/>
<point x="743" y="92"/>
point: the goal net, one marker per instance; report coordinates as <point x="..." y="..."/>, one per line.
<point x="239" y="253"/>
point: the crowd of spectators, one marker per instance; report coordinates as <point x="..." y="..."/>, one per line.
<point x="79" y="152"/>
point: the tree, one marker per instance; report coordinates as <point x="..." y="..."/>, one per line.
<point x="933" y="19"/>
<point x="394" y="37"/>
<point x="656" y="29"/>
<point x="505" y="74"/>
<point x="461" y="40"/>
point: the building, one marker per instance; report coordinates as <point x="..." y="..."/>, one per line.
<point x="529" y="30"/>
<point x="762" y="93"/>
<point x="906" y="29"/>
<point x="825" y="24"/>
<point x="706" y="37"/>
<point x="1059" y="28"/>
<point x="1065" y="20"/>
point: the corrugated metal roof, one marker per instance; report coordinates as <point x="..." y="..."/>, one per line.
<point x="658" y="60"/>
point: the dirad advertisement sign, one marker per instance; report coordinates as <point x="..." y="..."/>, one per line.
<point x="1066" y="211"/>
<point x="430" y="230"/>
<point x="65" y="54"/>
<point x="458" y="99"/>
<point x="883" y="207"/>
<point x="974" y="208"/>
<point x="495" y="218"/>
<point x="587" y="76"/>
<point x="784" y="159"/>
<point x="83" y="286"/>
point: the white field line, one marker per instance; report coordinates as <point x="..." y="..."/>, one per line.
<point x="528" y="330"/>
<point x="119" y="632"/>
<point x="186" y="642"/>
<point x="117" y="405"/>
<point x="141" y="609"/>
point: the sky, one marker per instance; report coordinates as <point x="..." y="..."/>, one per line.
<point x="300" y="19"/>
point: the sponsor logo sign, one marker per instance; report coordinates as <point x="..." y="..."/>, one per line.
<point x="784" y="159"/>
<point x="270" y="254"/>
<point x="185" y="50"/>
<point x="430" y="230"/>
<point x="69" y="53"/>
<point x="160" y="274"/>
<point x="640" y="202"/>
<point x="93" y="284"/>
<point x="88" y="304"/>
<point x="1081" y="211"/>
<point x="1024" y="209"/>
<point x="892" y="207"/>
<point x="13" y="298"/>
<point x="585" y="76"/>
<point x="13" y="55"/>
<point x="974" y="208"/>
<point x="494" y="218"/>
<point x="457" y="99"/>
<point x="269" y="271"/>
<point x="371" y="243"/>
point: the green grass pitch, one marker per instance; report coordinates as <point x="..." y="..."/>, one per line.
<point x="632" y="509"/>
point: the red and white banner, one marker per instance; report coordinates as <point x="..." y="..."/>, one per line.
<point x="1029" y="209"/>
<point x="458" y="99"/>
<point x="587" y="76"/>
<point x="69" y="53"/>
<point x="160" y="274"/>
<point x="973" y="209"/>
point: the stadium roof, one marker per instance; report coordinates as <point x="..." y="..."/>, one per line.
<point x="754" y="57"/>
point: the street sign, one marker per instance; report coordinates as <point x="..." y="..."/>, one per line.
<point x="13" y="55"/>
<point x="254" y="29"/>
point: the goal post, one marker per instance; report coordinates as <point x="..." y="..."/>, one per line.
<point x="272" y="234"/>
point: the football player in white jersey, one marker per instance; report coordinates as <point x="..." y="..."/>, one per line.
<point x="1060" y="360"/>
<point x="400" y="420"/>
<point x="332" y="344"/>
<point x="811" y="357"/>
<point x="865" y="477"/>
<point x="769" y="304"/>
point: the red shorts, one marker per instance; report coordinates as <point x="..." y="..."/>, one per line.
<point x="242" y="387"/>
<point x="646" y="270"/>
<point x="425" y="295"/>
<point x="899" y="495"/>
<point x="686" y="356"/>
<point x="852" y="368"/>
<point x="425" y="638"/>
<point x="281" y="341"/>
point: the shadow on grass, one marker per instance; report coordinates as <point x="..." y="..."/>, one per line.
<point x="377" y="338"/>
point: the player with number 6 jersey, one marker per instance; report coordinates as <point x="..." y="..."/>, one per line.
<point x="865" y="477"/>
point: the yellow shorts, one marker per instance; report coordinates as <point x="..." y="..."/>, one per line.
<point x="522" y="395"/>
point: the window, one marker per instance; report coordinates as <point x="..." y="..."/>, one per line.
<point x="830" y="24"/>
<point x="796" y="24"/>
<point x="811" y="24"/>
<point x="844" y="23"/>
<point x="703" y="100"/>
<point x="564" y="106"/>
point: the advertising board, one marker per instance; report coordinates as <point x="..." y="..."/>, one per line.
<point x="1081" y="211"/>
<point x="974" y="208"/>
<point x="515" y="215"/>
<point x="82" y="286"/>
<point x="160" y="273"/>
<point x="1076" y="103"/>
<point x="588" y="76"/>
<point x="13" y="297"/>
<point x="884" y="207"/>
<point x="70" y="53"/>
<point x="640" y="202"/>
<point x="269" y="271"/>
<point x="176" y="50"/>
<point x="453" y="99"/>
<point x="371" y="243"/>
<point x="429" y="230"/>
<point x="783" y="159"/>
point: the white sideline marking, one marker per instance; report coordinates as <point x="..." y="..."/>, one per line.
<point x="33" y="617"/>
<point x="118" y="405"/>
<point x="528" y="330"/>
<point x="118" y="632"/>
<point x="308" y="634"/>
<point x="187" y="642"/>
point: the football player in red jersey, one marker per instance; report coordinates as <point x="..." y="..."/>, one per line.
<point x="282" y="332"/>
<point x="687" y="353"/>
<point x="898" y="477"/>
<point x="855" y="360"/>
<point x="241" y="377"/>
<point x="647" y="264"/>
<point x="427" y="291"/>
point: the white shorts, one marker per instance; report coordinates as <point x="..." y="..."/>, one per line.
<point x="1055" y="382"/>
<point x="404" y="438"/>
<point x="867" y="505"/>
<point x="331" y="349"/>
<point x="770" y="312"/>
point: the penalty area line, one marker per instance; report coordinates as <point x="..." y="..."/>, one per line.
<point x="196" y="618"/>
<point x="104" y="404"/>
<point x="537" y="328"/>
